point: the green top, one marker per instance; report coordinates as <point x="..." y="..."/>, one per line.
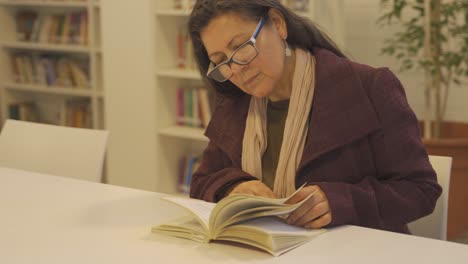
<point x="276" y="119"/>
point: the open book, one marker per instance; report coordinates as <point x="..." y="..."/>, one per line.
<point x="252" y="220"/>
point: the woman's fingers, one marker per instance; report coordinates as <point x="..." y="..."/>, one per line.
<point x="320" y="222"/>
<point x="253" y="188"/>
<point x="313" y="213"/>
<point x="302" y="194"/>
<point x="302" y="210"/>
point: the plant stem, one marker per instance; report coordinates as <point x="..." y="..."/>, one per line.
<point x="427" y="73"/>
<point x="436" y="48"/>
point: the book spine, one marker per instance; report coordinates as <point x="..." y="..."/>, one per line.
<point x="49" y="70"/>
<point x="84" y="28"/>
<point x="14" y="68"/>
<point x="188" y="107"/>
<point x="65" y="36"/>
<point x="19" y="66"/>
<point x="196" y="122"/>
<point x="45" y="28"/>
<point x="180" y="50"/>
<point x="204" y="106"/>
<point x="25" y="21"/>
<point x="28" y="68"/>
<point x="78" y="113"/>
<point x="188" y="166"/>
<point x="180" y="106"/>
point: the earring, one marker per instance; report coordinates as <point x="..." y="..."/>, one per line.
<point x="287" y="50"/>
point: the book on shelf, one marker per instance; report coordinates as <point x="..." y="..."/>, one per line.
<point x="25" y="21"/>
<point x="78" y="113"/>
<point x="83" y="36"/>
<point x="180" y="120"/>
<point x="65" y="28"/>
<point x="50" y="70"/>
<point x="251" y="220"/>
<point x="25" y="111"/>
<point x="56" y="111"/>
<point x="192" y="107"/>
<point x="180" y="50"/>
<point x="184" y="4"/>
<point x="204" y="106"/>
<point x="185" y="53"/>
<point x="188" y="164"/>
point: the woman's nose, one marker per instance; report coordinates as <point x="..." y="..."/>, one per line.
<point x="236" y="68"/>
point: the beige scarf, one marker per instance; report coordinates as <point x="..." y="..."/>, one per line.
<point x="295" y="130"/>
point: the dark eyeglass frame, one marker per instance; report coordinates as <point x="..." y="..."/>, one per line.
<point x="231" y="59"/>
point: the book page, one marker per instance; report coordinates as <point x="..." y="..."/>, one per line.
<point x="271" y="234"/>
<point x="275" y="226"/>
<point x="261" y="211"/>
<point x="236" y="204"/>
<point x="201" y="209"/>
<point x="185" y="227"/>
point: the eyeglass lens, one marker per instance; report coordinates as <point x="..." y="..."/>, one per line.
<point x="244" y="55"/>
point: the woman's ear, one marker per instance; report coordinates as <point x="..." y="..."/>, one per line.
<point x="278" y="21"/>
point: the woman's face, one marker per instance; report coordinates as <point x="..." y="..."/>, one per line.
<point x="224" y="34"/>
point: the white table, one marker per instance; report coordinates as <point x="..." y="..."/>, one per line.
<point x="49" y="219"/>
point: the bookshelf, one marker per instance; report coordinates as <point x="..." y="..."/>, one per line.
<point x="52" y="69"/>
<point x="175" y="141"/>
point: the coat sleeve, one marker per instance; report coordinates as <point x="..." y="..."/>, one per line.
<point x="404" y="187"/>
<point x="215" y="175"/>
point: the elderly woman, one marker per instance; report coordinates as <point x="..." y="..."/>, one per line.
<point x="292" y="109"/>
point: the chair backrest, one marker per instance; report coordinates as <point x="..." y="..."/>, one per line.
<point x="435" y="224"/>
<point x="56" y="150"/>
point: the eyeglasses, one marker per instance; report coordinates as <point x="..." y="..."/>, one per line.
<point x="242" y="56"/>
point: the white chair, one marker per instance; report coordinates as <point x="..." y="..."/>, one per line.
<point x="435" y="224"/>
<point x="56" y="150"/>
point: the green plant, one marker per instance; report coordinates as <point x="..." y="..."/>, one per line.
<point x="437" y="43"/>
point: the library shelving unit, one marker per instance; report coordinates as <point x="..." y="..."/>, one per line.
<point x="52" y="99"/>
<point x="176" y="141"/>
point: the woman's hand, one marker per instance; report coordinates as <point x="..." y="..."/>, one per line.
<point x="313" y="213"/>
<point x="253" y="187"/>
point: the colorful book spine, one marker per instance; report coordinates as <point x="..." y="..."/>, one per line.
<point x="25" y="21"/>
<point x="192" y="107"/>
<point x="205" y="109"/>
<point x="188" y="165"/>
<point x="25" y="111"/>
<point x="66" y="28"/>
<point x="180" y="50"/>
<point x="50" y="70"/>
<point x="180" y="120"/>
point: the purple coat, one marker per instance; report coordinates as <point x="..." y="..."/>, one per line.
<point x="363" y="148"/>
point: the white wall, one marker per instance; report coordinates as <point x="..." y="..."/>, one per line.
<point x="363" y="41"/>
<point x="129" y="81"/>
<point x="328" y="14"/>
